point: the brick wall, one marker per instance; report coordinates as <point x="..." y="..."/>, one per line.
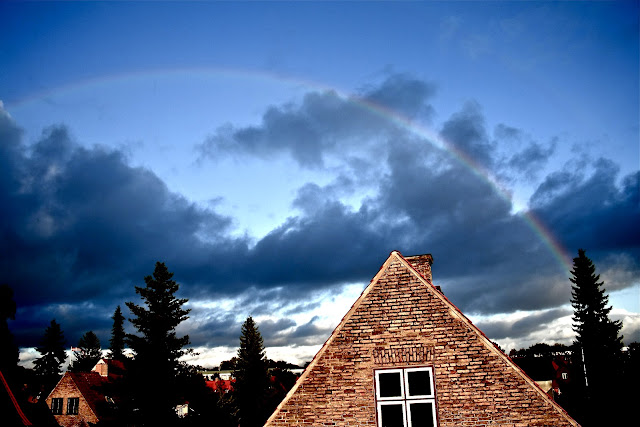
<point x="65" y="389"/>
<point x="401" y="321"/>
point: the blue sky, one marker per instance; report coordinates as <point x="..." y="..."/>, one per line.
<point x="274" y="153"/>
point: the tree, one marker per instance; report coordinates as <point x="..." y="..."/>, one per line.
<point x="9" y="354"/>
<point x="156" y="366"/>
<point x="598" y="345"/>
<point x="117" y="335"/>
<point x="252" y="376"/>
<point x="88" y="354"/>
<point x="52" y="346"/>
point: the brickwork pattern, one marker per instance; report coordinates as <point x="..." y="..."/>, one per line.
<point x="67" y="388"/>
<point x="398" y="322"/>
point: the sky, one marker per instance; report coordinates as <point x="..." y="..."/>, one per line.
<point x="273" y="154"/>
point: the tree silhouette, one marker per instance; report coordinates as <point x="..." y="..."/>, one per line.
<point x="52" y="346"/>
<point x="88" y="354"/>
<point x="598" y="344"/>
<point x="9" y="354"/>
<point x="117" y="335"/>
<point x="252" y="376"/>
<point x="156" y="367"/>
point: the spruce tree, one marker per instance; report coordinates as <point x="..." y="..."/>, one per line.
<point x="117" y="335"/>
<point x="52" y="349"/>
<point x="155" y="368"/>
<point x="252" y="377"/>
<point x="88" y="354"/>
<point x="598" y="345"/>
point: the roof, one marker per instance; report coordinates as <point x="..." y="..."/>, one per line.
<point x="357" y="329"/>
<point x="220" y="385"/>
<point x="90" y="385"/>
<point x="11" y="410"/>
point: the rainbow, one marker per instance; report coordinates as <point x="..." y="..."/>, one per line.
<point x="532" y="221"/>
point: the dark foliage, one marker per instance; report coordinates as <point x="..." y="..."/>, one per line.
<point x="252" y="377"/>
<point x="9" y="354"/>
<point x="117" y="335"/>
<point x="52" y="347"/>
<point x="154" y="375"/>
<point x="88" y="354"/>
<point x="597" y="348"/>
<point x="229" y="365"/>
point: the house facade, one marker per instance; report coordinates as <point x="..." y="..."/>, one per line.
<point x="405" y="356"/>
<point x="74" y="399"/>
<point x="78" y="399"/>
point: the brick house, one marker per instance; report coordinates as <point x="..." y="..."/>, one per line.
<point x="79" y="400"/>
<point x="404" y="355"/>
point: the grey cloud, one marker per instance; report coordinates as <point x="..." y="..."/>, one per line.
<point x="523" y="157"/>
<point x="403" y="94"/>
<point x="466" y="131"/>
<point x="83" y="225"/>
<point x="592" y="212"/>
<point x="530" y="160"/>
<point x="531" y="323"/>
<point x="324" y="124"/>
<point x="306" y="334"/>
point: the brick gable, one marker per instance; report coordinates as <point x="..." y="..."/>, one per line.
<point x="401" y="320"/>
<point x="83" y="386"/>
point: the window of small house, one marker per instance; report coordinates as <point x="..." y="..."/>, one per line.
<point x="72" y="405"/>
<point x="56" y="406"/>
<point x="405" y="397"/>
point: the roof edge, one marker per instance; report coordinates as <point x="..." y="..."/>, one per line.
<point x="314" y="361"/>
<point x="454" y="310"/>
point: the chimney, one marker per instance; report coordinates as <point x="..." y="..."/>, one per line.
<point x="422" y="264"/>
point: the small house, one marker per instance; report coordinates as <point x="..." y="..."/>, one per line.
<point x="79" y="397"/>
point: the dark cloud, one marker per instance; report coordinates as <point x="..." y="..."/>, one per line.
<point x="81" y="226"/>
<point x="325" y="124"/>
<point x="523" y="327"/>
<point x="402" y="94"/>
<point x="592" y="212"/>
<point x="524" y="158"/>
<point x="465" y="130"/>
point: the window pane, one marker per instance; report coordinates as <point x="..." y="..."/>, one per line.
<point x="56" y="406"/>
<point x="421" y="414"/>
<point x="392" y="415"/>
<point x="419" y="383"/>
<point x="72" y="406"/>
<point x="390" y="384"/>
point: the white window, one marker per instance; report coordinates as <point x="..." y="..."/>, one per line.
<point x="405" y="397"/>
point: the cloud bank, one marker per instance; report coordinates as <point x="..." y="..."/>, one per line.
<point x="80" y="226"/>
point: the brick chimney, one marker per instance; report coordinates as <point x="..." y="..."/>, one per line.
<point x="422" y="264"/>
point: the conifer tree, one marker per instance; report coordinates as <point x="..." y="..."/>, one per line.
<point x="88" y="353"/>
<point x="156" y="366"/>
<point x="598" y="345"/>
<point x="117" y="335"/>
<point x="596" y="334"/>
<point x="252" y="377"/>
<point x="52" y="349"/>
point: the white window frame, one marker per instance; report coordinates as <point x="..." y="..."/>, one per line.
<point x="402" y="383"/>
<point x="404" y="399"/>
<point x="410" y="402"/>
